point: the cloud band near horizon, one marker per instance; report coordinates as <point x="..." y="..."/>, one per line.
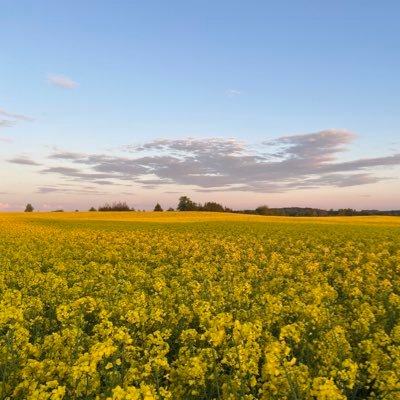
<point x="305" y="161"/>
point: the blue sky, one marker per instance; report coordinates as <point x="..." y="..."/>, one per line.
<point x="244" y="103"/>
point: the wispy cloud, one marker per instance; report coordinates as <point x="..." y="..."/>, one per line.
<point x="232" y="92"/>
<point x="15" y="116"/>
<point x="219" y="164"/>
<point x="6" y="139"/>
<point x="8" y="119"/>
<point x="23" y="160"/>
<point x="77" y="173"/>
<point x="63" y="190"/>
<point x="62" y="81"/>
<point x="5" y="123"/>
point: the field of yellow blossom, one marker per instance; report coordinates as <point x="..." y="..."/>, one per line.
<point x="198" y="306"/>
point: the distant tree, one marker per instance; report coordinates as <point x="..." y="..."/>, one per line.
<point x="29" y="208"/>
<point x="59" y="210"/>
<point x="116" y="206"/>
<point x="92" y="209"/>
<point x="262" y="210"/>
<point x="213" y="207"/>
<point x="76" y="210"/>
<point x="170" y="209"/>
<point x="158" y="207"/>
<point x="185" y="204"/>
<point x="346" y="212"/>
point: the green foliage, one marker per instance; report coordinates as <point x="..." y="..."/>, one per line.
<point x="29" y="208"/>
<point x="116" y="206"/>
<point x="158" y="207"/>
<point x="185" y="204"/>
<point x="262" y="210"/>
<point x="212" y="206"/>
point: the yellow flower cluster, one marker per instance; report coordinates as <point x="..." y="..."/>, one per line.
<point x="114" y="306"/>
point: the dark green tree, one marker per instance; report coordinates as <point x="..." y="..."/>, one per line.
<point x="346" y="212"/>
<point x="185" y="204"/>
<point x="116" y="206"/>
<point x="212" y="206"/>
<point x="29" y="208"/>
<point x="262" y="210"/>
<point x="158" y="207"/>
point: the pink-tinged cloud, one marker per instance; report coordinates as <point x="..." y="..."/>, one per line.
<point x="15" y="116"/>
<point x="62" y="81"/>
<point x="9" y="119"/>
<point x="307" y="161"/>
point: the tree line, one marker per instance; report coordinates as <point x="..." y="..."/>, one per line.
<point x="186" y="204"/>
<point x="315" y="212"/>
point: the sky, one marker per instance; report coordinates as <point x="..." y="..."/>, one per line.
<point x="283" y="103"/>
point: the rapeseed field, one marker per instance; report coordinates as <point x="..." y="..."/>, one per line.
<point x="198" y="306"/>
